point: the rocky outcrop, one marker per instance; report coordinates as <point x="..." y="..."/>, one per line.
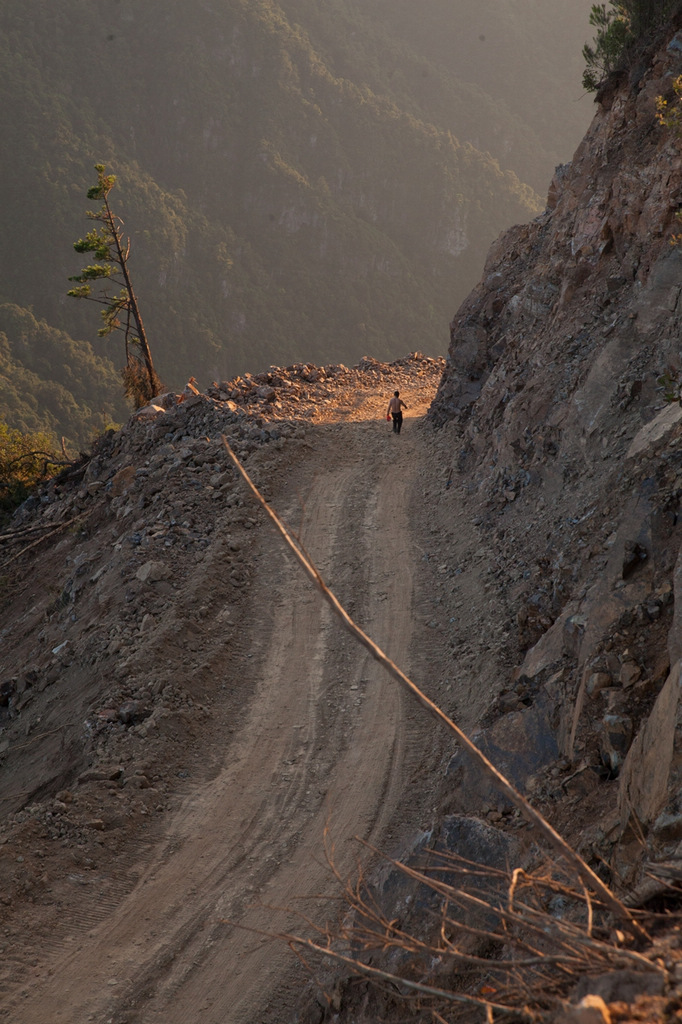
<point x="302" y="391"/>
<point x="143" y="512"/>
<point x="557" y="388"/>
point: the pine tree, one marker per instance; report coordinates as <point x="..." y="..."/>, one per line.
<point x="121" y="310"/>
<point x="619" y="26"/>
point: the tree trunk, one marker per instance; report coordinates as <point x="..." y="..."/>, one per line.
<point x="123" y="263"/>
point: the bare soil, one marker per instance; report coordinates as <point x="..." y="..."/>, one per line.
<point x="149" y="862"/>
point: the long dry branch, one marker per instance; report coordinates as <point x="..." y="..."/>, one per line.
<point x="562" y="933"/>
<point x="418" y="987"/>
<point x="552" y="837"/>
<point x="24" y="532"/>
<point x="48" y="456"/>
<point x="60" y="526"/>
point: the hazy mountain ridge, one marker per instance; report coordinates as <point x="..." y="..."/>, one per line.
<point x="290" y="175"/>
<point x="51" y="383"/>
<point x="542" y="540"/>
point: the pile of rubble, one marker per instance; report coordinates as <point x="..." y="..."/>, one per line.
<point x="306" y="391"/>
<point x="125" y="591"/>
<point x="561" y="381"/>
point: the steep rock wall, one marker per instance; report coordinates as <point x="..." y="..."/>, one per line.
<point x="572" y="460"/>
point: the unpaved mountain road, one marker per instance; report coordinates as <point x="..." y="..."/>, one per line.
<point x="326" y="741"/>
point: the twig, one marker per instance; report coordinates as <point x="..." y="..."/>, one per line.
<point x="562" y="932"/>
<point x="60" y="526"/>
<point x="13" y="534"/>
<point x="414" y="986"/>
<point x="512" y="888"/>
<point x="590" y="913"/>
<point x="540" y="960"/>
<point x="556" y="842"/>
<point x="34" y="739"/>
<point x="48" y="456"/>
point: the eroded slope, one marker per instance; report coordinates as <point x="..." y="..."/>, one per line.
<point x="181" y="719"/>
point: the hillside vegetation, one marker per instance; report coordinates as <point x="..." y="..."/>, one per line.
<point x="301" y="180"/>
<point x="48" y="382"/>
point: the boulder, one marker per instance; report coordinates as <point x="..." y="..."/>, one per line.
<point x="417" y="906"/>
<point x="630" y="673"/>
<point x="658" y="431"/>
<point x="519" y="744"/>
<point x="615" y="739"/>
<point x="668" y="827"/>
<point x="152" y="572"/>
<point x="148" y="412"/>
<point x="621" y="986"/>
<point x="596" y="682"/>
<point x="590" y="1010"/>
<point x="122" y="481"/>
<point x="644" y="776"/>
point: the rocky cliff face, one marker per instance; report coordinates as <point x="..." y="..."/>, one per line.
<point x="573" y="462"/>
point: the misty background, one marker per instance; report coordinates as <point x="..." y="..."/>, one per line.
<point x="302" y="180"/>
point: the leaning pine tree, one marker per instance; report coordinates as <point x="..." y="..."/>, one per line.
<point x="620" y="26"/>
<point x="121" y="311"/>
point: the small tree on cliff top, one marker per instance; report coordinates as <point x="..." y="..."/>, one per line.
<point x="619" y="26"/>
<point x="121" y="311"/>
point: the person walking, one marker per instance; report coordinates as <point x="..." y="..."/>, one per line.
<point x="395" y="409"/>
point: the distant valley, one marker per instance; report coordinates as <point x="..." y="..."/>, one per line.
<point x="301" y="181"/>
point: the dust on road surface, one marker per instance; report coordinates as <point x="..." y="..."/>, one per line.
<point x="324" y="740"/>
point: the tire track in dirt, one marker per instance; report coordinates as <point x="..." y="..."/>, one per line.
<point x="325" y="740"/>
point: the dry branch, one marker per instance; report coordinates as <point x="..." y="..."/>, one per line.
<point x="565" y="935"/>
<point x="537" y="957"/>
<point x="60" y="526"/>
<point x="418" y="987"/>
<point x="49" y="458"/>
<point x="555" y="841"/>
<point x="25" y="531"/>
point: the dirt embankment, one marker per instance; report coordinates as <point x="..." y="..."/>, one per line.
<point x="184" y="719"/>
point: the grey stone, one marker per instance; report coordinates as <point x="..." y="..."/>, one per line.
<point x="574" y="630"/>
<point x="112" y="773"/>
<point x="634" y="555"/>
<point x="615" y="739"/>
<point x="128" y="712"/>
<point x="621" y="986"/>
<point x="597" y="682"/>
<point x="152" y="572"/>
<point x="416" y="904"/>
<point x="668" y="826"/>
<point x="644" y="778"/>
<point x="659" y="430"/>
<point x="519" y="744"/>
<point x="630" y="673"/>
<point x="590" y="1010"/>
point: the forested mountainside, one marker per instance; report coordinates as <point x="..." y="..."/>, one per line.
<point x="301" y="180"/>
<point x="49" y="381"/>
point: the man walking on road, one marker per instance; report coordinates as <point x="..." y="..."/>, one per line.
<point x="395" y="409"/>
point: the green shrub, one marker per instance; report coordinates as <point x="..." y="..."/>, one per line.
<point x="26" y="460"/>
<point x="669" y="115"/>
<point x="619" y="27"/>
<point x="609" y="45"/>
<point x="669" y="112"/>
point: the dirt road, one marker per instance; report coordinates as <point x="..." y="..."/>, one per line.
<point x="326" y="740"/>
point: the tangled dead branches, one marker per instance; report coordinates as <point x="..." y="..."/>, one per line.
<point x="511" y="942"/>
